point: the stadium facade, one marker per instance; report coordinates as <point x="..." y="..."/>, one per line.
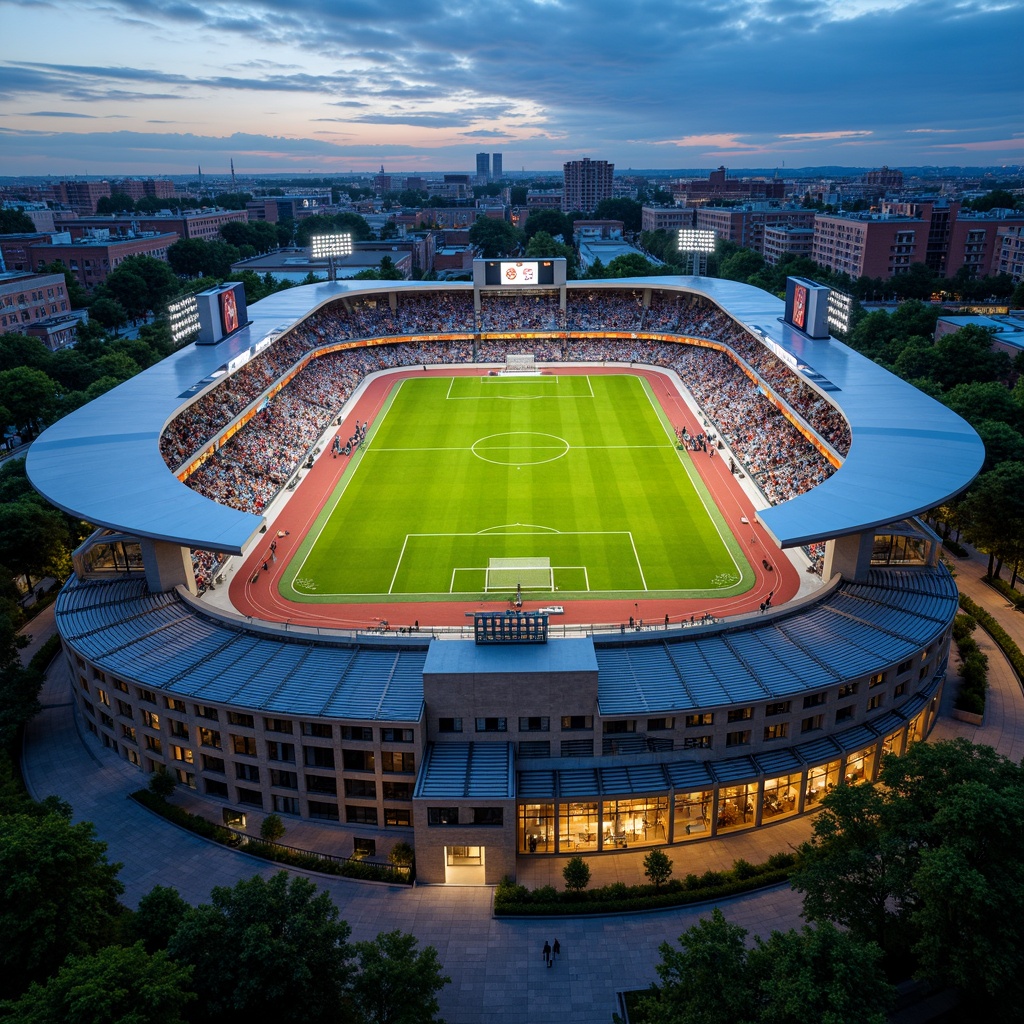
<point x="478" y="754"/>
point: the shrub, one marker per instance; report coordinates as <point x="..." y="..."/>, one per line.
<point x="744" y="869"/>
<point x="401" y="855"/>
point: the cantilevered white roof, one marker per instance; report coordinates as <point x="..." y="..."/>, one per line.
<point x="909" y="453"/>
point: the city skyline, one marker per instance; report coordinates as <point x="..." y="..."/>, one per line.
<point x="132" y="88"/>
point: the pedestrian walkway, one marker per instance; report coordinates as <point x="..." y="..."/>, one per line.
<point x="496" y="965"/>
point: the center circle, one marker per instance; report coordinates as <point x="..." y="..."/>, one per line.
<point x="520" y="448"/>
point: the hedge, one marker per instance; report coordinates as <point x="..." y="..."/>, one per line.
<point x="511" y="899"/>
<point x="308" y="861"/>
<point x="1004" y="588"/>
<point x="1003" y="639"/>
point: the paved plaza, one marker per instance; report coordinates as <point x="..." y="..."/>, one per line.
<point x="497" y="970"/>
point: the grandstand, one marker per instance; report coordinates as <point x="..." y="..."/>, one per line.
<point x="480" y="754"/>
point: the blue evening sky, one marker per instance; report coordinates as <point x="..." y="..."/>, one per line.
<point x="332" y="86"/>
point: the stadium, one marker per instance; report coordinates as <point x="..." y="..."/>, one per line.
<point x="508" y="570"/>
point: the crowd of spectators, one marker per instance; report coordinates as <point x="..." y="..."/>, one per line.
<point x="249" y="469"/>
<point x="205" y="566"/>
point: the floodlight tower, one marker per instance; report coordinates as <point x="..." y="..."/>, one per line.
<point x="330" y="247"/>
<point x="696" y="244"/>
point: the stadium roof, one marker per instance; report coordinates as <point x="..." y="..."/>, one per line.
<point x="909" y="453"/>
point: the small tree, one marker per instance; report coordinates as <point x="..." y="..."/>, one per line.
<point x="576" y="874"/>
<point x="162" y="783"/>
<point x="272" y="828"/>
<point x="658" y="867"/>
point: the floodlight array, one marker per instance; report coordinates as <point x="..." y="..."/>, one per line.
<point x="696" y="240"/>
<point x="324" y="247"/>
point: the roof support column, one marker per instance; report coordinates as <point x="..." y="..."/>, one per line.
<point x="167" y="566"/>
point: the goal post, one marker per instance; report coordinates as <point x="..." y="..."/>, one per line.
<point x="520" y="363"/>
<point x="527" y="573"/>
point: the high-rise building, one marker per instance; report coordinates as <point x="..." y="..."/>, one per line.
<point x="496" y="171"/>
<point x="586" y="183"/>
<point x="483" y="168"/>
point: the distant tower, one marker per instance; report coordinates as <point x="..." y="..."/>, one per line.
<point x="496" y="171"/>
<point x="233" y="187"/>
<point x="483" y="168"/>
<point x="585" y="183"/>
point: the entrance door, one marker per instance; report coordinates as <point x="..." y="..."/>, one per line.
<point x="464" y="865"/>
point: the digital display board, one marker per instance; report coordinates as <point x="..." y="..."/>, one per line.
<point x="222" y="311"/>
<point x="800" y="306"/>
<point x="228" y="312"/>
<point x="510" y="627"/>
<point x="510" y="273"/>
<point x="807" y="306"/>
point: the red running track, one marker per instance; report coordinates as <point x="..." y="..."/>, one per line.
<point x="254" y="590"/>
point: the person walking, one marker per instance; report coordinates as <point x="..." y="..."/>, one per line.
<point x="547" y="952"/>
<point x="556" y="949"/>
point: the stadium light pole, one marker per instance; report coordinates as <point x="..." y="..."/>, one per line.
<point x="696" y="244"/>
<point x="330" y="247"/>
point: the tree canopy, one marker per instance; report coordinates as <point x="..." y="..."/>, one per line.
<point x="273" y="949"/>
<point x="58" y="896"/>
<point x="494" y="237"/>
<point x="929" y="864"/>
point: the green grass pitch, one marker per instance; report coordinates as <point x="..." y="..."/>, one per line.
<point x="577" y="473"/>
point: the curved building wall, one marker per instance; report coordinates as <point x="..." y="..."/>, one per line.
<point x="695" y="734"/>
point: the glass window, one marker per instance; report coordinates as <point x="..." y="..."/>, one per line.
<point x="740" y="715"/>
<point x="442" y="815"/>
<point x="537" y="828"/>
<point x="692" y="721"/>
<point x="736" y="807"/>
<point x="570" y="722"/>
<point x="323" y="810"/>
<point x="579" y="826"/>
<point x="244" y="745"/>
<point x="358" y="760"/>
<point x="245" y="721"/>
<point x="402" y="763"/>
<point x="635" y="821"/>
<point x="491" y="724"/>
<point x="781" y="796"/>
<point x="357" y="732"/>
<point x="737" y="739"/>
<point x="360" y="789"/>
<point x="860" y="766"/>
<point x="692" y="815"/>
<point x="284" y="779"/>
<point x="449" y="725"/>
<point x="322" y="757"/>
<point x="821" y="780"/>
<point x="488" y="816"/>
<point x="536" y="724"/>
<point x="281" y="751"/>
<point x="777" y="731"/>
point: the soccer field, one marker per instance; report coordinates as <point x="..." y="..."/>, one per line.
<point x="568" y="486"/>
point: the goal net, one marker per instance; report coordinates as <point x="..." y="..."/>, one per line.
<point x="520" y="362"/>
<point x="529" y="573"/>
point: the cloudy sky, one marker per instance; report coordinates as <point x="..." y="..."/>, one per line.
<point x="333" y="86"/>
